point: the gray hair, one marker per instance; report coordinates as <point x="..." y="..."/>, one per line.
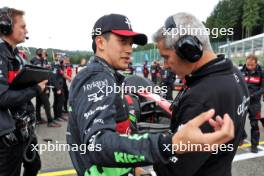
<point x="190" y="25"/>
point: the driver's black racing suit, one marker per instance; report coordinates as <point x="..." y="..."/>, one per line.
<point x="99" y="120"/>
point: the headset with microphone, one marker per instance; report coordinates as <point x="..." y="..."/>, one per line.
<point x="6" y="22"/>
<point x="187" y="47"/>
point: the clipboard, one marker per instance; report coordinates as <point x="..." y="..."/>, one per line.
<point x="30" y="75"/>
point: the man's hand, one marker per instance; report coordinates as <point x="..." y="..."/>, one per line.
<point x="47" y="91"/>
<point x="58" y="92"/>
<point x="140" y="171"/>
<point x="190" y="133"/>
<point x="42" y="85"/>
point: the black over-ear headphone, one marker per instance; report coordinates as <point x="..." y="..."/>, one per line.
<point x="187" y="47"/>
<point x="6" y="22"/>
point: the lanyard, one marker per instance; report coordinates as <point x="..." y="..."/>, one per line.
<point x="178" y="98"/>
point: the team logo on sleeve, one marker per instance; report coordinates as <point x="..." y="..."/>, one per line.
<point x="94" y="97"/>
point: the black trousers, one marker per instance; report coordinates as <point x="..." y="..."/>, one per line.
<point x="58" y="104"/>
<point x="31" y="168"/>
<point x="43" y="99"/>
<point x="254" y="112"/>
<point x="11" y="159"/>
<point x="154" y="78"/>
<point x="66" y="96"/>
<point x="169" y="92"/>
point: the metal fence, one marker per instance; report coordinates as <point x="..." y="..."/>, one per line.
<point x="238" y="50"/>
<point x="147" y="55"/>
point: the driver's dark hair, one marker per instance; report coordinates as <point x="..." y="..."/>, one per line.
<point x="105" y="35"/>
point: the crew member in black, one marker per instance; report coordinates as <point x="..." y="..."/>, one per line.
<point x="211" y="82"/>
<point x="154" y="72"/>
<point x="67" y="76"/>
<point x="14" y="102"/>
<point x="57" y="82"/>
<point x="145" y="69"/>
<point x="43" y="98"/>
<point x="167" y="79"/>
<point x="255" y="81"/>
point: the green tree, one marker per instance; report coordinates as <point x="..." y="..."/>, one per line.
<point x="236" y="16"/>
<point x="220" y="18"/>
<point x="261" y="14"/>
<point x="251" y="15"/>
<point x="145" y="47"/>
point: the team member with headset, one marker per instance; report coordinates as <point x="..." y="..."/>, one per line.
<point x="99" y="119"/>
<point x="211" y="82"/>
<point x="14" y="103"/>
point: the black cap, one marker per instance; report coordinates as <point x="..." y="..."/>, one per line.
<point x="120" y="25"/>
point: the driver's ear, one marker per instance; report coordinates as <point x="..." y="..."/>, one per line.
<point x="100" y="42"/>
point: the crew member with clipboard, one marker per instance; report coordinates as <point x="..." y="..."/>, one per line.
<point x="15" y="108"/>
